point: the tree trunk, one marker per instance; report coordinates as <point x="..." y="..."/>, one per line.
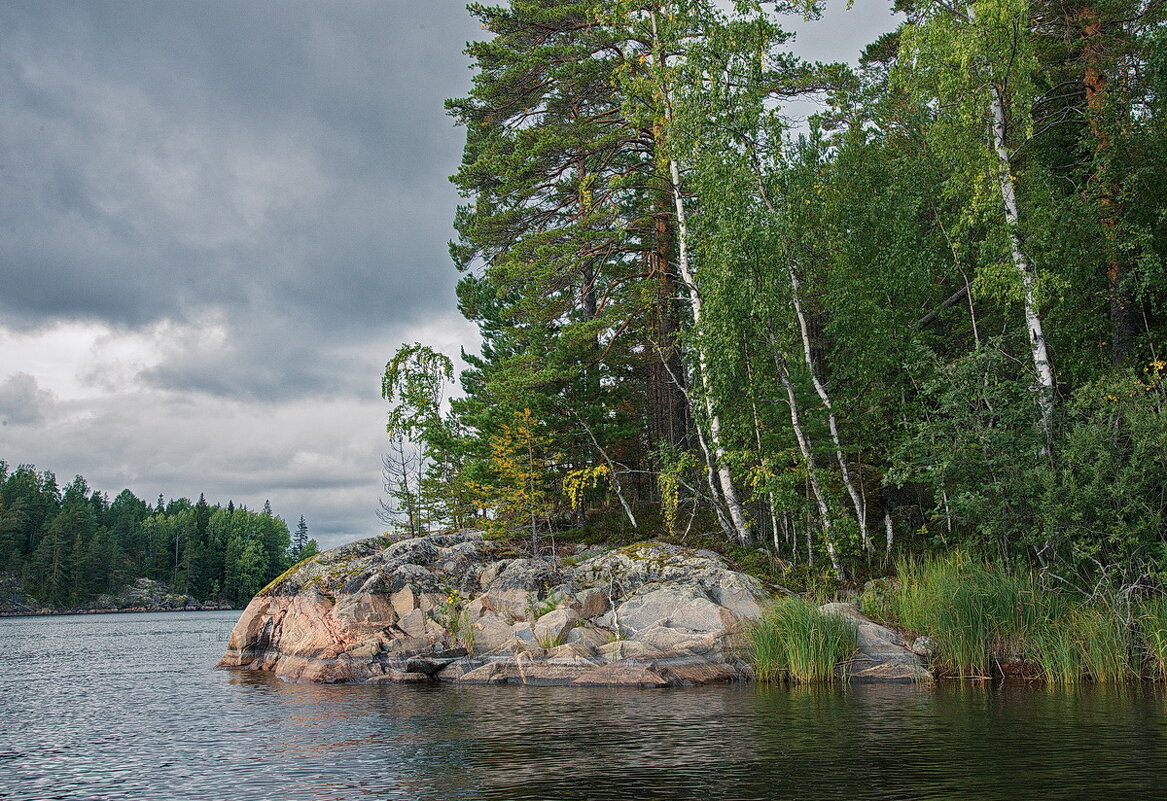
<point x="1121" y="300"/>
<point x="820" y="388"/>
<point x="1041" y="363"/>
<point x="804" y="446"/>
<point x="737" y="514"/>
<point x="741" y="526"/>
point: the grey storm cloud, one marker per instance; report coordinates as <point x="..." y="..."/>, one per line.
<point x="270" y="159"/>
<point x="247" y="202"/>
<point x="218" y="218"/>
<point x="22" y="401"/>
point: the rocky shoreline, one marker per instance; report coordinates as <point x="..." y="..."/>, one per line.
<point x="109" y="611"/>
<point x="140" y="595"/>
<point x="452" y="608"/>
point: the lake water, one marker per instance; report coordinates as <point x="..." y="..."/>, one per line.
<point x="130" y="707"/>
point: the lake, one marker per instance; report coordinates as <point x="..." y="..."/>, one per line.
<point x="129" y="707"/>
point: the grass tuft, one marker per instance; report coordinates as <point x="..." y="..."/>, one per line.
<point x="968" y="608"/>
<point x="794" y="640"/>
<point x="977" y="612"/>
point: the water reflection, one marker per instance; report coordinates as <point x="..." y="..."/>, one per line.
<point x="128" y="707"/>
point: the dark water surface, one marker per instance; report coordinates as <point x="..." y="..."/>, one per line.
<point x="129" y="707"/>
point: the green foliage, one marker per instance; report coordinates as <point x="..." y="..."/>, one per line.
<point x="866" y="259"/>
<point x="969" y="608"/>
<point x="675" y="467"/>
<point x="980" y="615"/>
<point x="518" y="495"/>
<point x="1105" y="501"/>
<point x="1053" y="646"/>
<point x="1152" y="626"/>
<point x="793" y="640"/>
<point x="977" y="447"/>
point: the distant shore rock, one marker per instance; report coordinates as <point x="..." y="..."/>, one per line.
<point x="448" y="607"/>
<point x="140" y="595"/>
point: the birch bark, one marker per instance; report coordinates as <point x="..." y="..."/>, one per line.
<point x="737" y="513"/>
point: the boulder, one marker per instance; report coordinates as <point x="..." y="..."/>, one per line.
<point x="679" y="606"/>
<point x="592" y="603"/>
<point x="552" y="628"/>
<point x="677" y="640"/>
<point x="522" y="670"/>
<point x="882" y="655"/>
<point x="628" y="649"/>
<point x="622" y="571"/>
<point x="588" y="635"/>
<point x="365" y="608"/>
<point x="492" y="633"/>
<point x="622" y="674"/>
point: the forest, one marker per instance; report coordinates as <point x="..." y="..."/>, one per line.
<point x="64" y="548"/>
<point x="931" y="317"/>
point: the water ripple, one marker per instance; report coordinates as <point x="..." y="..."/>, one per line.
<point x="129" y="707"/>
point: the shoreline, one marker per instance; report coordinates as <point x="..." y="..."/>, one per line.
<point x="127" y="610"/>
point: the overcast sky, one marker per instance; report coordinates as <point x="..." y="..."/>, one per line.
<point x="218" y="219"/>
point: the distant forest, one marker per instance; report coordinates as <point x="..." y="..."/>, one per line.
<point x="67" y="547"/>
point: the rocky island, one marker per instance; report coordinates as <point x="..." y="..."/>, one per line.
<point x="454" y="607"/>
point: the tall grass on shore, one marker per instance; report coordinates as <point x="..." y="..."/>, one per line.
<point x="969" y="609"/>
<point x="793" y="640"/>
<point x="979" y="614"/>
<point x="1087" y="642"/>
<point x="1152" y="623"/>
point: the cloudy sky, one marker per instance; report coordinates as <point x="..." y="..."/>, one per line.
<point x="218" y="219"/>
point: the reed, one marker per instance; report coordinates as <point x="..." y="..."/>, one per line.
<point x="1153" y="633"/>
<point x="794" y="640"/>
<point x="1104" y="642"/>
<point x="1051" y="646"/>
<point x="976" y="611"/>
<point x="970" y="609"/>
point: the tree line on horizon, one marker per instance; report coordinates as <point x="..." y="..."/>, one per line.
<point x="68" y="546"/>
<point x="933" y="316"/>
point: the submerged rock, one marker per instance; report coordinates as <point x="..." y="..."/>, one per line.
<point x="444" y="608"/>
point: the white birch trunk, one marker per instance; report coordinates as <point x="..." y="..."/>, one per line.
<point x="811" y="470"/>
<point x="821" y="390"/>
<point x="737" y="514"/>
<point x="1041" y="362"/>
<point x="710" y="475"/>
<point x="998" y="142"/>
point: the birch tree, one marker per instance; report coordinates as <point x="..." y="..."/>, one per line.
<point x="976" y="62"/>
